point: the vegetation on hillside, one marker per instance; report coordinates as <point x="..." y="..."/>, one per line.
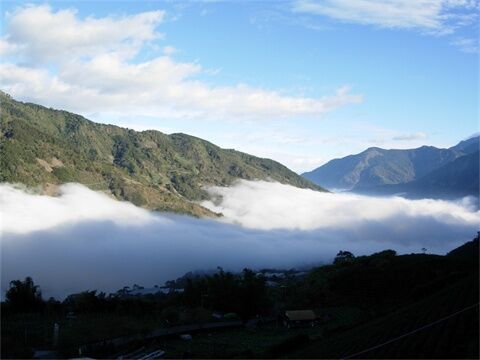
<point x="423" y="172"/>
<point x="379" y="306"/>
<point x="456" y="179"/>
<point x="41" y="146"/>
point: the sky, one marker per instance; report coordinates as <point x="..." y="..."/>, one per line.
<point x="298" y="81"/>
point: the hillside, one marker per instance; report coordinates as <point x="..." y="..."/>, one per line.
<point x="375" y="168"/>
<point x="427" y="306"/>
<point x="456" y="179"/>
<point x="468" y="146"/>
<point x="443" y="326"/>
<point x="45" y="147"/>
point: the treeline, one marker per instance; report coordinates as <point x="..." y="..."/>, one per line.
<point x="89" y="316"/>
<point x="244" y="294"/>
<point x="382" y="281"/>
<point x="24" y="297"/>
<point x="378" y="282"/>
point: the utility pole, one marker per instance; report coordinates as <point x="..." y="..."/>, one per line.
<point x="56" y="330"/>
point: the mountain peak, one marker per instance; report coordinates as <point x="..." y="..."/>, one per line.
<point x="376" y="167"/>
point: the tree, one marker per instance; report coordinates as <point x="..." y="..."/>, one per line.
<point x="344" y="257"/>
<point x="252" y="294"/>
<point x="24" y="296"/>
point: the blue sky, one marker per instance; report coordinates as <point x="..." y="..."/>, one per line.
<point x="298" y="81"/>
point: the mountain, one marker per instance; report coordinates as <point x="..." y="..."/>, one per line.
<point x="468" y="146"/>
<point x="45" y="147"/>
<point x="428" y="170"/>
<point x="456" y="179"/>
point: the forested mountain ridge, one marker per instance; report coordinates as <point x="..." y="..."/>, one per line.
<point x="456" y="179"/>
<point x="382" y="171"/>
<point x="44" y="147"/>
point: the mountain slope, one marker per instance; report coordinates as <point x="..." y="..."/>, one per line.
<point x="376" y="167"/>
<point x="41" y="146"/>
<point x="456" y="179"/>
<point x="431" y="313"/>
<point x="468" y="146"/>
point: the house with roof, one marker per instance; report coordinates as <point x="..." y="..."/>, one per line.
<point x="300" y="318"/>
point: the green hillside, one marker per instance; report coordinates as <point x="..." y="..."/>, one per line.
<point x="46" y="147"/>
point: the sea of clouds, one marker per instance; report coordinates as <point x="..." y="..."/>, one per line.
<point x="82" y="239"/>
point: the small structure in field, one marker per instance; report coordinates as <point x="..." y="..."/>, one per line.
<point x="186" y="337"/>
<point x="299" y="318"/>
<point x="217" y="315"/>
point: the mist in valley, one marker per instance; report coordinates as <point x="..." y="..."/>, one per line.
<point x="82" y="239"/>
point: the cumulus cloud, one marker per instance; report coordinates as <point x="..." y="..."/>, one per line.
<point x="87" y="240"/>
<point x="47" y="35"/>
<point x="433" y="16"/>
<point x="94" y="61"/>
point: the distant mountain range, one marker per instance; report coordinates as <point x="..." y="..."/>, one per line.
<point x="423" y="172"/>
<point x="45" y="147"/>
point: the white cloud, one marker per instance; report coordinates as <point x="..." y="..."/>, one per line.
<point x="89" y="65"/>
<point x="434" y="16"/>
<point x="85" y="240"/>
<point x="302" y="164"/>
<point x="46" y="35"/>
<point x="467" y="45"/>
<point x="408" y="137"/>
<point x="8" y="48"/>
<point x="387" y="138"/>
<point x="170" y="50"/>
<point x="265" y="205"/>
<point x="26" y="212"/>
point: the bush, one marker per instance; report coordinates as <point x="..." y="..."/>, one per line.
<point x="63" y="174"/>
<point x="287" y="345"/>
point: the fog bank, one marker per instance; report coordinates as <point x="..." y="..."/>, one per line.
<point x="86" y="240"/>
<point x="266" y="205"/>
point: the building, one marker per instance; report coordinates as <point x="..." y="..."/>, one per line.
<point x="299" y="318"/>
